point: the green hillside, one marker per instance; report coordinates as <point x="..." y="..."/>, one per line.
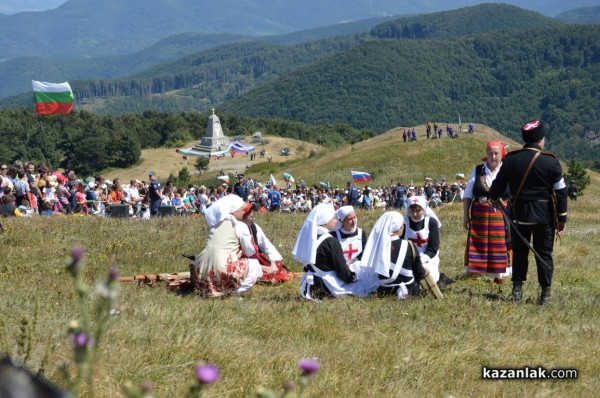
<point x="227" y="71"/>
<point x="500" y="79"/>
<point x="386" y="157"/>
<point x="465" y="21"/>
<point x="18" y="73"/>
<point x="117" y="27"/>
<point x="89" y="144"/>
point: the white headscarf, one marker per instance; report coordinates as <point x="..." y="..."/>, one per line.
<point x="305" y="249"/>
<point x="222" y="208"/>
<point x="377" y="253"/>
<point x="421" y="201"/>
<point x="341" y="215"/>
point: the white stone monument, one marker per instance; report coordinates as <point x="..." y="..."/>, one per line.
<point x="214" y="140"/>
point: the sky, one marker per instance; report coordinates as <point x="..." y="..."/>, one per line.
<point x="13" y="6"/>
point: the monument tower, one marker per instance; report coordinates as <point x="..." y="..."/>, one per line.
<point x="214" y="140"/>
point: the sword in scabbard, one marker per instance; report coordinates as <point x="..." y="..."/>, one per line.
<point x="152" y="278"/>
<point x="513" y="226"/>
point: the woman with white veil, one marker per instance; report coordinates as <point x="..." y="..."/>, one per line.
<point x="422" y="227"/>
<point x="220" y="270"/>
<point x="395" y="262"/>
<point x="325" y="270"/>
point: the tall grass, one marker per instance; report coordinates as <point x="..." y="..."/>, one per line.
<point x="367" y="347"/>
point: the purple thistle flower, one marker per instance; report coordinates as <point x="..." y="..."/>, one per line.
<point x="309" y="366"/>
<point x="147" y="387"/>
<point x="77" y="253"/>
<point x="207" y="373"/>
<point x="80" y="339"/>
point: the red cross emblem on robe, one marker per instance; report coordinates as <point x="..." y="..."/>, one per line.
<point x="420" y="242"/>
<point x="350" y="251"/>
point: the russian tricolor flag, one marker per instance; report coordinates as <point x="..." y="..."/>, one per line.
<point x="360" y="176"/>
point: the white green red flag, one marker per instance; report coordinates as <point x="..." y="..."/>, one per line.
<point x="223" y="179"/>
<point x="272" y="181"/>
<point x="288" y="177"/>
<point x="53" y="98"/>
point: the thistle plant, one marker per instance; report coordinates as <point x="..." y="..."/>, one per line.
<point x="87" y="332"/>
<point x="308" y="367"/>
<point x="206" y="374"/>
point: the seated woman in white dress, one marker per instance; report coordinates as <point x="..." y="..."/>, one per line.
<point x="395" y="262"/>
<point x="422" y="227"/>
<point x="326" y="272"/>
<point x="352" y="238"/>
<point x="220" y="269"/>
<point x="258" y="248"/>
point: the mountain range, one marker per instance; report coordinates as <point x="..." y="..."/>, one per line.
<point x="89" y="29"/>
<point x="494" y="64"/>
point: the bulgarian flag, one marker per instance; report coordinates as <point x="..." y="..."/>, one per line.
<point x="272" y="181"/>
<point x="324" y="185"/>
<point x="361" y="176"/>
<point x="223" y="179"/>
<point x="53" y="98"/>
<point x="288" y="177"/>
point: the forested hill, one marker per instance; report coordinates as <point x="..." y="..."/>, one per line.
<point x="17" y="73"/>
<point x="88" y="28"/>
<point x="209" y="77"/>
<point x="499" y="79"/>
<point x="88" y="143"/>
<point x="586" y="15"/>
<point x="465" y="21"/>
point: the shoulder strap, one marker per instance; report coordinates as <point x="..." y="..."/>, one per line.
<point x="322" y="239"/>
<point x="526" y="174"/>
<point x="399" y="261"/>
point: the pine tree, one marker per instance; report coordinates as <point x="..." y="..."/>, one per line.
<point x="184" y="177"/>
<point x="202" y="163"/>
<point x="577" y="173"/>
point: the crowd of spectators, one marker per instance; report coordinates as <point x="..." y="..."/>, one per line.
<point x="302" y="198"/>
<point x="28" y="190"/>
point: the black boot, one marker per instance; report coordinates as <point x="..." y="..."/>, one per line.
<point x="545" y="296"/>
<point x="517" y="292"/>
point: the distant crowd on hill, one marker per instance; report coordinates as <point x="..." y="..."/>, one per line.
<point x="435" y="132"/>
<point x="30" y="190"/>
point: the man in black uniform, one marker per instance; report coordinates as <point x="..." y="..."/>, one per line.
<point x="532" y="184"/>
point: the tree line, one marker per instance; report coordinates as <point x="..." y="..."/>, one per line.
<point x="88" y="143"/>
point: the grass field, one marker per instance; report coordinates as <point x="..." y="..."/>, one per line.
<point x="166" y="161"/>
<point x="367" y="347"/>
